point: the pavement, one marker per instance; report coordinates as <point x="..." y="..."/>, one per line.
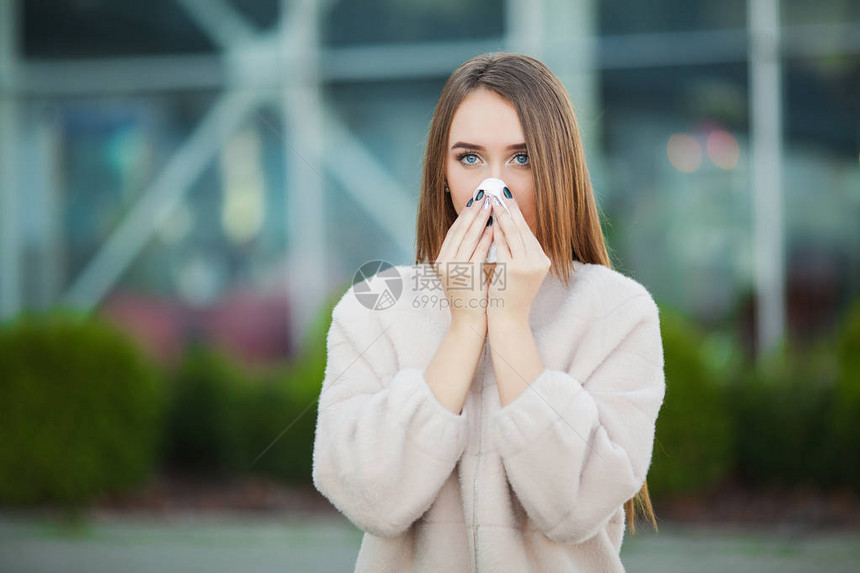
<point x="249" y="543"/>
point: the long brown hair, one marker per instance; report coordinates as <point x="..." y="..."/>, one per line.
<point x="566" y="213"/>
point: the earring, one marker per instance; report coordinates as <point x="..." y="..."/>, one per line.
<point x="447" y="190"/>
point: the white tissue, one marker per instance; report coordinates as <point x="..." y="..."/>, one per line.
<point x="494" y="187"/>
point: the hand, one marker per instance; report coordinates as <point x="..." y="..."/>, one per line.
<point x="524" y="261"/>
<point x="460" y="266"/>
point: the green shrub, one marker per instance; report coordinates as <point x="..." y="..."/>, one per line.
<point x="795" y="412"/>
<point x="209" y="393"/>
<point x="784" y="412"/>
<point x="693" y="441"/>
<point x="283" y="412"/>
<point x="226" y="419"/>
<point x="277" y="431"/>
<point x="81" y="409"/>
<point x="846" y="412"/>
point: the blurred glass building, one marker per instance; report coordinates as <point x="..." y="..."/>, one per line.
<point x="213" y="168"/>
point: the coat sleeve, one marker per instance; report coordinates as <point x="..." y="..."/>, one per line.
<point x="575" y="450"/>
<point x="384" y="445"/>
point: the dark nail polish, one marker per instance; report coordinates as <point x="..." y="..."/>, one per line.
<point x="479" y="195"/>
<point x="469" y="204"/>
<point x="508" y="193"/>
<point x="490" y="221"/>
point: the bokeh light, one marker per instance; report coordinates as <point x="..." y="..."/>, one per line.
<point x="684" y="152"/>
<point x="723" y="149"/>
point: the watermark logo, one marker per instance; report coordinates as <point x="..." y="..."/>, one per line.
<point x="377" y="285"/>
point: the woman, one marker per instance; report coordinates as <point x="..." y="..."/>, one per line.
<point x="508" y="423"/>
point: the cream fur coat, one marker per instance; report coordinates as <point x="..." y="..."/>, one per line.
<point x="536" y="486"/>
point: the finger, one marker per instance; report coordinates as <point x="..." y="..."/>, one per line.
<point x="503" y="249"/>
<point x="473" y="233"/>
<point x="462" y="221"/>
<point x="531" y="245"/>
<point x="481" y="254"/>
<point x="454" y="236"/>
<point x="483" y="247"/>
<point x="512" y="233"/>
<point x="514" y="208"/>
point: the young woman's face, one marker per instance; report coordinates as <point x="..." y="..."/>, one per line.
<point x="482" y="143"/>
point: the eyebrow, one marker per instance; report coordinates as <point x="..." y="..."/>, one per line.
<point x="465" y="145"/>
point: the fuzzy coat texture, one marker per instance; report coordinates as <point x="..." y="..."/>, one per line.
<point x="536" y="486"/>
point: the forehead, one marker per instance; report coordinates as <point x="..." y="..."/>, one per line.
<point x="485" y="118"/>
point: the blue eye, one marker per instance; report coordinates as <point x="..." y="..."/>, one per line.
<point x="464" y="155"/>
<point x="462" y="158"/>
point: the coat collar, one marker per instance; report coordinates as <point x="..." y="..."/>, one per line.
<point x="551" y="295"/>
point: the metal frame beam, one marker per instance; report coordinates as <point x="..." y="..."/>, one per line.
<point x="416" y="61"/>
<point x="295" y="45"/>
<point x="300" y="103"/>
<point x="158" y="201"/>
<point x="10" y="248"/>
<point x="766" y="135"/>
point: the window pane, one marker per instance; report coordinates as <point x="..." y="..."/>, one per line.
<point x="620" y="17"/>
